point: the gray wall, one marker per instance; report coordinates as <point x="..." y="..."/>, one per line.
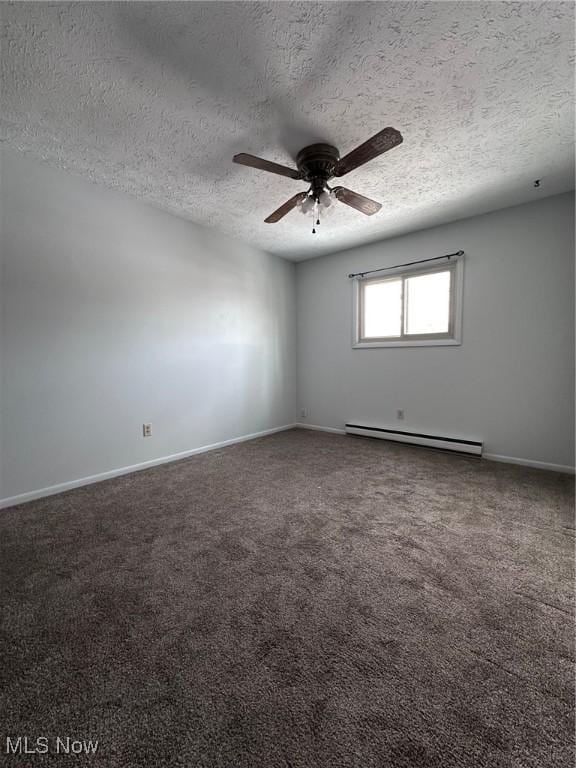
<point x="510" y="383"/>
<point x="116" y="314"/>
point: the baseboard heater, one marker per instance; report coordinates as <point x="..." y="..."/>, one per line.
<point x="454" y="444"/>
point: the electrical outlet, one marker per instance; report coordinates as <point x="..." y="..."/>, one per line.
<point x="400" y="414"/>
<point x="304" y="413"/>
<point x="146" y="430"/>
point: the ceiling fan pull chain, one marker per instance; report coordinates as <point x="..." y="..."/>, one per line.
<point x="316" y="215"/>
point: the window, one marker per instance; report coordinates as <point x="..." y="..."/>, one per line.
<point x="409" y="306"/>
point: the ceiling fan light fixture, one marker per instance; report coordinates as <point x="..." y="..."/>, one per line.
<point x="317" y="164"/>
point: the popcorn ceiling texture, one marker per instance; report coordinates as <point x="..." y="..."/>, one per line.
<point x="154" y="99"/>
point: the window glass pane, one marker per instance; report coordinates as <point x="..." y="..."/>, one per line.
<point x="383" y="309"/>
<point x="427" y="307"/>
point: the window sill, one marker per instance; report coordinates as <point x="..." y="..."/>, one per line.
<point x="406" y="343"/>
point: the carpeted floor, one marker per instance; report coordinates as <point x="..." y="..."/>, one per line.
<point x="300" y="601"/>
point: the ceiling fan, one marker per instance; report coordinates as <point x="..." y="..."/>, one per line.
<point x="319" y="163"/>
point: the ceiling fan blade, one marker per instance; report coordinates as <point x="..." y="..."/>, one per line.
<point x="286" y="208"/>
<point x="354" y="200"/>
<point x="266" y="165"/>
<point x="377" y="145"/>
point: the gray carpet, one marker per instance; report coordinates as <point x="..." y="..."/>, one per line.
<point x="303" y="600"/>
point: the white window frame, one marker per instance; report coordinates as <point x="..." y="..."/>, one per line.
<point x="454" y="335"/>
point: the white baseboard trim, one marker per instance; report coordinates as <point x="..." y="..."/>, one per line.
<point x="21" y="498"/>
<point x="530" y="463"/>
<point x="319" y="429"/>
<point x="12" y="501"/>
<point x="489" y="456"/>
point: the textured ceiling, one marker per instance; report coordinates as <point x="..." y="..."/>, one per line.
<point x="154" y="99"/>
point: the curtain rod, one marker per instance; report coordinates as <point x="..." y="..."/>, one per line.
<point x="408" y="264"/>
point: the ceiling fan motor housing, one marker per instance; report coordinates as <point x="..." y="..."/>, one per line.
<point x="317" y="163"/>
